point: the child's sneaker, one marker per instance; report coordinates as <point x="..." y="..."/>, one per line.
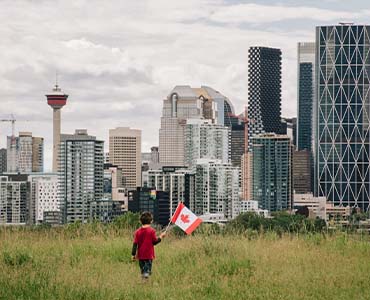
<point x="145" y="275"/>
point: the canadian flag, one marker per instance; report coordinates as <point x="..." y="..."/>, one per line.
<point x="185" y="219"/>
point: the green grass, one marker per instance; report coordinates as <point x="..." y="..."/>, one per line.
<point x="95" y="264"/>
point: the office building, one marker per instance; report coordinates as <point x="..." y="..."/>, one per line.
<point x="203" y="139"/>
<point x="177" y="181"/>
<point x="264" y="91"/>
<point x="251" y="206"/>
<point x="272" y="171"/>
<point x="56" y="99"/>
<point x="81" y="169"/>
<point x="316" y="205"/>
<point x="342" y="167"/>
<point x="181" y="104"/>
<point x="25" y="153"/>
<point x="113" y="185"/>
<point x="3" y="161"/>
<point x="14" y="201"/>
<point x="105" y="210"/>
<point x="148" y="199"/>
<point x="302" y="171"/>
<point x="43" y="195"/>
<point x="125" y="152"/>
<point x="246" y="176"/>
<point x="216" y="189"/>
<point x="306" y="95"/>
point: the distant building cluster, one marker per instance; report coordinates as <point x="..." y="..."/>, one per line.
<point x="218" y="162"/>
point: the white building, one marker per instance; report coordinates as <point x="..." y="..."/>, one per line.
<point x="316" y="205"/>
<point x="252" y="206"/>
<point x="216" y="188"/>
<point x="44" y="194"/>
<point x="204" y="139"/>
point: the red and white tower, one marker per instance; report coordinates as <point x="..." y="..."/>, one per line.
<point x="56" y="99"/>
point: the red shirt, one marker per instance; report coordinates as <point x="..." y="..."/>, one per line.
<point x="144" y="238"/>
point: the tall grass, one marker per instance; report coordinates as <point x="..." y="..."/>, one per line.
<point x="93" y="262"/>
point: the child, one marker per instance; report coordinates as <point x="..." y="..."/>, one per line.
<point x="144" y="241"/>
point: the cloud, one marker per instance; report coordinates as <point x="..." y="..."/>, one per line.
<point x="117" y="59"/>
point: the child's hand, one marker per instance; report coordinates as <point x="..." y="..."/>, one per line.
<point x="133" y="258"/>
<point x="162" y="235"/>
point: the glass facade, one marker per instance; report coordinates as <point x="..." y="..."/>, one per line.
<point x="342" y="132"/>
<point x="272" y="172"/>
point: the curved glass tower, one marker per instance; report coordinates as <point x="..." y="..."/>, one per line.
<point x="342" y="115"/>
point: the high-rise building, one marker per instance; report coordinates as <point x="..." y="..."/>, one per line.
<point x="181" y="104"/>
<point x="56" y="99"/>
<point x="264" y="91"/>
<point x="113" y="185"/>
<point x="3" y="161"/>
<point x="216" y="189"/>
<point x="125" y="152"/>
<point x="246" y="176"/>
<point x="237" y="137"/>
<point x="14" y="201"/>
<point x="306" y="94"/>
<point x="148" y="199"/>
<point x="81" y="169"/>
<point x="302" y="171"/>
<point x="342" y="166"/>
<point x="203" y="139"/>
<point x="290" y="129"/>
<point x="272" y="171"/>
<point x="177" y="181"/>
<point x="25" y="154"/>
<point x="43" y="195"/>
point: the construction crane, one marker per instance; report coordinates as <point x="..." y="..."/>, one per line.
<point x="12" y="120"/>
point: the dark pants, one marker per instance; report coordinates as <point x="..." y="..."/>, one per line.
<point x="145" y="266"/>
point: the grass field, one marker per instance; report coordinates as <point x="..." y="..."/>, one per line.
<point x="95" y="264"/>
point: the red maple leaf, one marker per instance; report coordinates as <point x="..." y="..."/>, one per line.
<point x="184" y="218"/>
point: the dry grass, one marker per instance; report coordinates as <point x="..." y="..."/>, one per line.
<point x="55" y="264"/>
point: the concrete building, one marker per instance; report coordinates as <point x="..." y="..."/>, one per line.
<point x="264" y="91"/>
<point x="125" y="152"/>
<point x="181" y="104"/>
<point x="272" y="172"/>
<point x="43" y="195"/>
<point x="25" y="153"/>
<point x="246" y="176"/>
<point x="14" y="201"/>
<point x="203" y="139"/>
<point x="216" y="189"/>
<point x="252" y="206"/>
<point x="113" y="186"/>
<point x="81" y="170"/>
<point x="342" y="148"/>
<point x="56" y="99"/>
<point x="302" y="172"/>
<point x="315" y="205"/>
<point x="3" y="161"/>
<point x="177" y="181"/>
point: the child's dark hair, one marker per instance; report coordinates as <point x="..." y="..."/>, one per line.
<point x="146" y="218"/>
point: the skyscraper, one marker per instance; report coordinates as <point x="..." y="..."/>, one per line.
<point x="342" y="131"/>
<point x="125" y="152"/>
<point x="27" y="155"/>
<point x="81" y="167"/>
<point x="264" y="91"/>
<point x="56" y="99"/>
<point x="302" y="171"/>
<point x="206" y="140"/>
<point x="272" y="171"/>
<point x="306" y="94"/>
<point x="181" y="104"/>
<point x="3" y="160"/>
<point x="216" y="188"/>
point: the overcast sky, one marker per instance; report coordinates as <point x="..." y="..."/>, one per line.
<point x="117" y="60"/>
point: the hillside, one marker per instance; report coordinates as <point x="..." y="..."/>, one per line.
<point x="95" y="264"/>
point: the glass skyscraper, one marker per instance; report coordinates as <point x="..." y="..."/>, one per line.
<point x="342" y="131"/>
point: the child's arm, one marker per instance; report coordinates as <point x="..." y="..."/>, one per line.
<point x="157" y="240"/>
<point x="133" y="252"/>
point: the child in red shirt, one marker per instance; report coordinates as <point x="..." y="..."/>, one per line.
<point x="144" y="241"/>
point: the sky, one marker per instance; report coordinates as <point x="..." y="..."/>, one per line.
<point x="118" y="59"/>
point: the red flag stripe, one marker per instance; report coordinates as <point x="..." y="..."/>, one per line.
<point x="177" y="212"/>
<point x="193" y="226"/>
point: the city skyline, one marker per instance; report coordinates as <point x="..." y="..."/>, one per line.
<point x="118" y="62"/>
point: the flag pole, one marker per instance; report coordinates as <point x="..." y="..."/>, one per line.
<point x="169" y="223"/>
